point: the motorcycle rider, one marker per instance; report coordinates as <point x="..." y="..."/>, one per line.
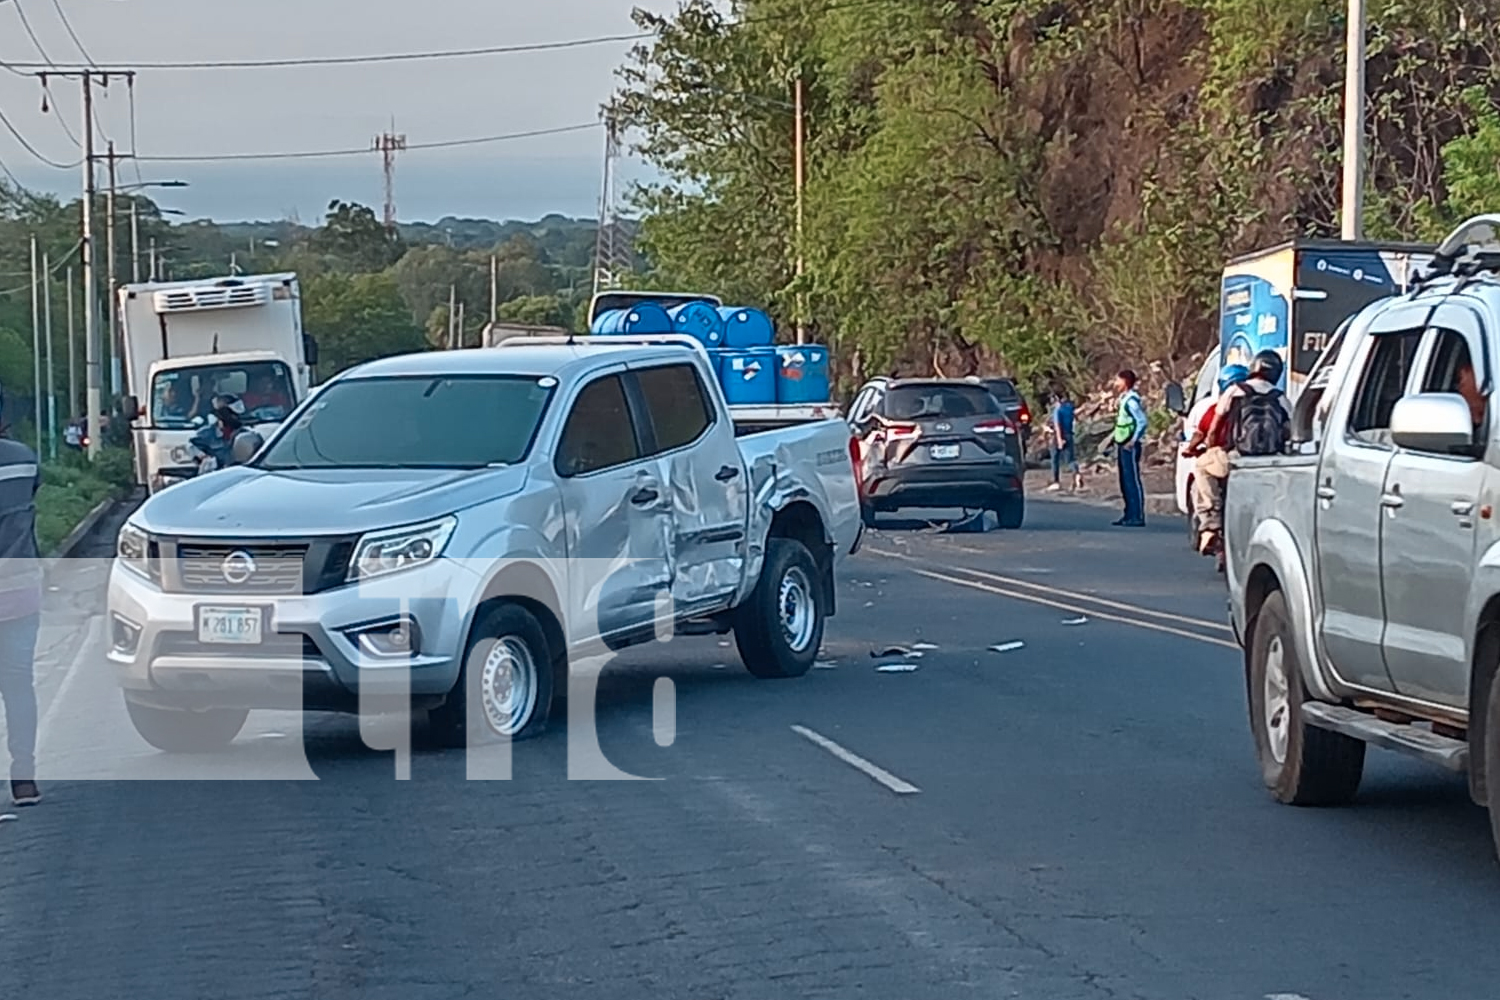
<point x="1211" y="470"/>
<point x="216" y="439"/>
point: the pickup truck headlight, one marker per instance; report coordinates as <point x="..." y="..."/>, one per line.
<point x="181" y="455"/>
<point x="133" y="548"/>
<point x="382" y="552"/>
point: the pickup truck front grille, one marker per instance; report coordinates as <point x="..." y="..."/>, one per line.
<point x="254" y="568"/>
<point x="228" y="569"/>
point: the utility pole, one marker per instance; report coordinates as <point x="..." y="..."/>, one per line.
<point x="36" y="346"/>
<point x="452" y="312"/>
<point x="459" y="329"/>
<point x="798" y="171"/>
<point x="494" y="288"/>
<point x="51" y="378"/>
<point x="1351" y="217"/>
<point x="135" y="243"/>
<point x="90" y="286"/>
<point x="72" y="355"/>
<point x="388" y="144"/>
<point x="109" y="254"/>
<point x="153" y="258"/>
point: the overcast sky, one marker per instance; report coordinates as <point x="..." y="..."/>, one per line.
<point x="340" y="107"/>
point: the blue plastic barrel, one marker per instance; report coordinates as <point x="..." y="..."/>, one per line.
<point x="748" y="376"/>
<point x="802" y="374"/>
<point x="643" y="317"/>
<point x="607" y="321"/>
<point x="745" y="327"/>
<point x="699" y="320"/>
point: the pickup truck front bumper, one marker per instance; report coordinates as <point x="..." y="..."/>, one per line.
<point x="316" y="651"/>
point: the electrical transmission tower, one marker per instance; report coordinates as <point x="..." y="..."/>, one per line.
<point x="612" y="245"/>
<point x="388" y="144"/>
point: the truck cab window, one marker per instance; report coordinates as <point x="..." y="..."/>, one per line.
<point x="600" y="432"/>
<point x="678" y="406"/>
<point x="1381" y="384"/>
<point x="1452" y="370"/>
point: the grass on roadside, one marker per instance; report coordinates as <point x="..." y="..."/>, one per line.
<point x="71" y="487"/>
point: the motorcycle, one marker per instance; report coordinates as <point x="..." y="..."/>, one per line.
<point x="192" y="460"/>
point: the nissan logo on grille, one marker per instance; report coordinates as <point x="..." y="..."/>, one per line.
<point x="237" y="567"/>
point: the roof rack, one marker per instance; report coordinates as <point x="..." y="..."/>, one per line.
<point x="586" y="340"/>
<point x="1470" y="250"/>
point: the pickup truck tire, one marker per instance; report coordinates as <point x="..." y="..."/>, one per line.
<point x="504" y="690"/>
<point x="867" y="514"/>
<point x="779" y="628"/>
<point x="1011" y="511"/>
<point x="1301" y="764"/>
<point x="1492" y="759"/>
<point x="178" y="730"/>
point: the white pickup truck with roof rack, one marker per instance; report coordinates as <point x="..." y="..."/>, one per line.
<point x="453" y="528"/>
<point x="186" y="341"/>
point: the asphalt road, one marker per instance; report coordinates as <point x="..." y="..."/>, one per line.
<point x="1079" y="817"/>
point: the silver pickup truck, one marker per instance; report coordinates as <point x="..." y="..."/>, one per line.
<point x="1364" y="570"/>
<point x="454" y="527"/>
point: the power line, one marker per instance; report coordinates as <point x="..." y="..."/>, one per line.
<point x="26" y="23"/>
<point x="365" y="150"/>
<point x="33" y="150"/>
<point x="493" y="50"/>
<point x="73" y="34"/>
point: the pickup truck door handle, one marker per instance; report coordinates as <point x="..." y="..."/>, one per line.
<point x="644" y="496"/>
<point x="726" y="473"/>
<point x="1462" y="508"/>
<point x="1327" y="492"/>
<point x="1391" y="500"/>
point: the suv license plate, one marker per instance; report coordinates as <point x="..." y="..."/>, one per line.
<point x="945" y="451"/>
<point x="229" y="626"/>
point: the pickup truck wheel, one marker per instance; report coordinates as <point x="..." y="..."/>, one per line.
<point x="867" y="514"/>
<point x="177" y="730"/>
<point x="504" y="690"/>
<point x="1492" y="759"/>
<point x="780" y="627"/>
<point x="1301" y="764"/>
<point x="1011" y="511"/>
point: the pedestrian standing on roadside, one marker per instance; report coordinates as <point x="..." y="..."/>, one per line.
<point x="1128" y="438"/>
<point x="20" y="608"/>
<point x="1062" y="445"/>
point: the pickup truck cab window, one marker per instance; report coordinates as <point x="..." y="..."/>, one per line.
<point x="1382" y="383"/>
<point x="600" y="432"/>
<point x="1451" y="368"/>
<point x="678" y="406"/>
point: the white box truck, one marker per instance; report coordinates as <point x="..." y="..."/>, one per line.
<point x="186" y="341"/>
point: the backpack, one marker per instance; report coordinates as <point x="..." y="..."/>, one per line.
<point x="1259" y="423"/>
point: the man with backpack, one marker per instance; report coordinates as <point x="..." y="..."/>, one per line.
<point x="1254" y="416"/>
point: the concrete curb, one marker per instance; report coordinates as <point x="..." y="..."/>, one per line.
<point x="75" y="537"/>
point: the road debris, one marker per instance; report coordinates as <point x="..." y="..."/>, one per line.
<point x="1006" y="647"/>
<point x="880" y="654"/>
<point x="825" y="665"/>
<point x="8" y="817"/>
<point x="896" y="668"/>
<point x="1080" y="620"/>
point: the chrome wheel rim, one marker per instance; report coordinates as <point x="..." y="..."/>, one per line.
<point x="507" y="686"/>
<point x="798" y="610"/>
<point x="1277" y="700"/>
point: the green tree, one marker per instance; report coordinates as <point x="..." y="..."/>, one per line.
<point x="357" y="318"/>
<point x="354" y="237"/>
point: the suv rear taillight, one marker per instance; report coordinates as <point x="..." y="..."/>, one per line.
<point x="859" y="479"/>
<point x="1025" y="413"/>
<point x="995" y="427"/>
<point x="902" y="432"/>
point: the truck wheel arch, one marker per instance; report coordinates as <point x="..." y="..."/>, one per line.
<point x="800" y="520"/>
<point x="1481" y="676"/>
<point x="527" y="586"/>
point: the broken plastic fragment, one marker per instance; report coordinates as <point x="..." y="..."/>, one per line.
<point x="8" y="817"/>
<point x="889" y="651"/>
<point x="924" y="645"/>
<point x="896" y="668"/>
<point x="1006" y="647"/>
<point x="824" y="665"/>
<point x="1080" y="620"/>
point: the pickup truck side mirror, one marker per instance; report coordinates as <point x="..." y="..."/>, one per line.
<point x="130" y="408"/>
<point x="1176" y="399"/>
<point x="1437" y="422"/>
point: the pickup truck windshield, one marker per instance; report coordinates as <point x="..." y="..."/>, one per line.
<point x="418" y="422"/>
<point x="180" y="397"/>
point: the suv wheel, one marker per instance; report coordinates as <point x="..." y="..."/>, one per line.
<point x="779" y="628"/>
<point x="504" y="690"/>
<point x="1301" y="764"/>
<point x="178" y="730"/>
<point x="1011" y="511"/>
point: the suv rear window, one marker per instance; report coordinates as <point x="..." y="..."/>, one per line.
<point x="1003" y="388"/>
<point x="916" y="402"/>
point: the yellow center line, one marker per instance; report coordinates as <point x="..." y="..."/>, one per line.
<point x="1034" y="599"/>
<point x="1133" y="609"/>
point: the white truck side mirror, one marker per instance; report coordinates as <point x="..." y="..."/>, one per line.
<point x="1433" y="421"/>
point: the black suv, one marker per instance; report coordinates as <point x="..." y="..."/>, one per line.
<point x="937" y="443"/>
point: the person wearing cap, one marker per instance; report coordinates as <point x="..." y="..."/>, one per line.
<point x="20" y="608"/>
<point x="1128" y="442"/>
